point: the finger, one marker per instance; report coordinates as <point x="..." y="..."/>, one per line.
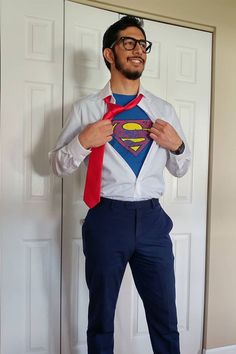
<point x="155" y="131"/>
<point x="103" y="122"/>
<point x="108" y="129"/>
<point x="158" y="126"/>
<point x="154" y="137"/>
<point x="109" y="138"/>
<point x="107" y="122"/>
<point x="161" y="122"/>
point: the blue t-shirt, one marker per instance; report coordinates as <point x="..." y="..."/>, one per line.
<point x="131" y="133"/>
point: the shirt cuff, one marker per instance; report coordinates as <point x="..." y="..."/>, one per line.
<point x="185" y="155"/>
<point x="77" y="150"/>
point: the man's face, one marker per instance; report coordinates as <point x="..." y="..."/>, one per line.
<point x="130" y="63"/>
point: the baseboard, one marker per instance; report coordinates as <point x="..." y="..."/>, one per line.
<point x="223" y="350"/>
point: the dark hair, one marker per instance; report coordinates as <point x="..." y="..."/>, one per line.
<point x="111" y="34"/>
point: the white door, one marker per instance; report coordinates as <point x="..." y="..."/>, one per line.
<point x="178" y="69"/>
<point x="84" y="73"/>
<point x="31" y="115"/>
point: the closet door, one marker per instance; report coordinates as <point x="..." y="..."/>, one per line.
<point x="31" y="118"/>
<point x="85" y="73"/>
<point x="183" y="77"/>
<point x="178" y="69"/>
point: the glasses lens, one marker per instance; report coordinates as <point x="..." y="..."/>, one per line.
<point x="143" y="45"/>
<point x="129" y="43"/>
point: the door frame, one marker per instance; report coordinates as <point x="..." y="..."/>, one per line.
<point x="147" y="15"/>
<point x="195" y="26"/>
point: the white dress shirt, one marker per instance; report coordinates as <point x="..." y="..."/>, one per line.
<point x="118" y="179"/>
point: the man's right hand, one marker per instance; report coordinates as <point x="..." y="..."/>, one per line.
<point x="96" y="134"/>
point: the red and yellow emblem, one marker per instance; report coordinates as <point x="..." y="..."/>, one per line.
<point x="132" y="134"/>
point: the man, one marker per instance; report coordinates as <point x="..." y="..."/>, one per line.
<point x="127" y="224"/>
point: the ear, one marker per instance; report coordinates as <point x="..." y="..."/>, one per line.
<point x="108" y="55"/>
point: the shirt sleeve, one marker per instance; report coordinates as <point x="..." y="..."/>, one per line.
<point x="68" y="153"/>
<point x="178" y="165"/>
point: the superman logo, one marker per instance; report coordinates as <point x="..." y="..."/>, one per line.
<point x="133" y="135"/>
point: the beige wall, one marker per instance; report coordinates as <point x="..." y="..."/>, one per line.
<point x="220" y="318"/>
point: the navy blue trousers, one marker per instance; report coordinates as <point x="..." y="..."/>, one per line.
<point x="115" y="233"/>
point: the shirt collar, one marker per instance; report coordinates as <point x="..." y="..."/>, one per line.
<point x="106" y="91"/>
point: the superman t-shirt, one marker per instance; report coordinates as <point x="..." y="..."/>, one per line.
<point x="131" y="133"/>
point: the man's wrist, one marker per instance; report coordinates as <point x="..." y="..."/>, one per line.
<point x="82" y="142"/>
<point x="180" y="149"/>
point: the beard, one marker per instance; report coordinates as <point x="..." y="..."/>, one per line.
<point x="131" y="75"/>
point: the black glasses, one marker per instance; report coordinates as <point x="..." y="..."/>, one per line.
<point x="129" y="43"/>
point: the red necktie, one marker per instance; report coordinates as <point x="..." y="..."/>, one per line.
<point x="92" y="188"/>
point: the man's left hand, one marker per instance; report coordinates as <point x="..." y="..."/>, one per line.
<point x="165" y="135"/>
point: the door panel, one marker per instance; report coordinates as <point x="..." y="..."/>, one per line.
<point x="188" y="88"/>
<point x="31" y="100"/>
<point x="85" y="73"/>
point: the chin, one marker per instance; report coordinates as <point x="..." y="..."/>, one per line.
<point x="132" y="75"/>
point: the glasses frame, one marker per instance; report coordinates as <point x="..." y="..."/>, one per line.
<point x="139" y="41"/>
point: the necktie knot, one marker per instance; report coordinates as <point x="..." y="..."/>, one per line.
<point x="133" y="103"/>
<point x="114" y="109"/>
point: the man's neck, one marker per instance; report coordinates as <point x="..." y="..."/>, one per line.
<point x="125" y="86"/>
